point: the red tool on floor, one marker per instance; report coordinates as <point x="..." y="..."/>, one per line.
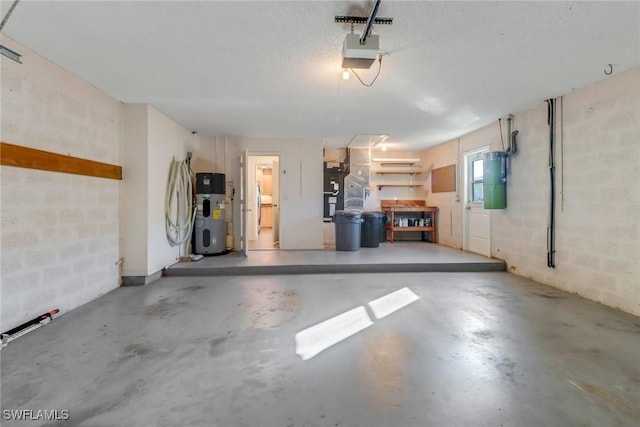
<point x="27" y="327"/>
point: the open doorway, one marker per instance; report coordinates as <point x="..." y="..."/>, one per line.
<point x="263" y="202"/>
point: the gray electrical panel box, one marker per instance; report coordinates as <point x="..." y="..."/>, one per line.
<point x="210" y="230"/>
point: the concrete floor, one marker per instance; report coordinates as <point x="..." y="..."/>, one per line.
<point x="477" y="349"/>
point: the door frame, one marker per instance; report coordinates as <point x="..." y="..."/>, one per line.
<point x="466" y="205"/>
<point x="244" y="174"/>
<point x="275" y="194"/>
<point x="245" y="213"/>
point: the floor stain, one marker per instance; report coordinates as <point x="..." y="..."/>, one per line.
<point x="289" y="302"/>
<point x="486" y="294"/>
<point x="612" y="402"/>
<point x="164" y="308"/>
<point x="21" y="395"/>
<point x="484" y="334"/>
<point x="254" y="383"/>
<point x="140" y="350"/>
<point x="620" y="327"/>
<point x="192" y="288"/>
<point x="79" y="416"/>
<point x="548" y="295"/>
<point x="214" y="345"/>
<point x="507" y="367"/>
<point x="385" y="370"/>
<point x="595" y="350"/>
<point x="268" y="308"/>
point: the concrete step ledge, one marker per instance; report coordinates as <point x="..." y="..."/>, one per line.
<point x="462" y="267"/>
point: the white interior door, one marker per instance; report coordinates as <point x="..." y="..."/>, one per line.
<point x="275" y="195"/>
<point x="477" y="234"/>
<point x="244" y="167"/>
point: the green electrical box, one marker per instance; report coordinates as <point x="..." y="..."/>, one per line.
<point x="495" y="180"/>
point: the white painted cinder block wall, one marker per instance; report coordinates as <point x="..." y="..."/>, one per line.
<point x="59" y="235"/>
<point x="598" y="193"/>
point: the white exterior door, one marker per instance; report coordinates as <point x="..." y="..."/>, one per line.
<point x="477" y="220"/>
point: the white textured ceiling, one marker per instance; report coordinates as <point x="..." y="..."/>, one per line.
<point x="272" y="68"/>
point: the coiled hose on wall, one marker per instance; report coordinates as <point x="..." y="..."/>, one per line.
<point x="178" y="203"/>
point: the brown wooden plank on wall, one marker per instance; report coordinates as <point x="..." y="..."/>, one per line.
<point x="443" y="180"/>
<point x="30" y="158"/>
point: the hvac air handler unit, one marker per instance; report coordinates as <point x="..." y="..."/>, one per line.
<point x="210" y="231"/>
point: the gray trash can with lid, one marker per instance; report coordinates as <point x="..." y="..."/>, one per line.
<point x="372" y="229"/>
<point x="348" y="225"/>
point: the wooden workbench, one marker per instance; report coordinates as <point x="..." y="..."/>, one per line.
<point x="406" y="207"/>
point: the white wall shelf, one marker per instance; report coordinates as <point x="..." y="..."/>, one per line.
<point x="396" y="161"/>
<point x="410" y="172"/>
<point x="409" y="162"/>
<point x="399" y="172"/>
<point x="380" y="186"/>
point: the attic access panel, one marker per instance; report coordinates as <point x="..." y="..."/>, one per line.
<point x="443" y="180"/>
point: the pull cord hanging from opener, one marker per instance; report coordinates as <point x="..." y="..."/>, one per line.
<point x="375" y="78"/>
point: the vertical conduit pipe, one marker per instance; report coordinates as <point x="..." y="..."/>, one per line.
<point x="551" y="249"/>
